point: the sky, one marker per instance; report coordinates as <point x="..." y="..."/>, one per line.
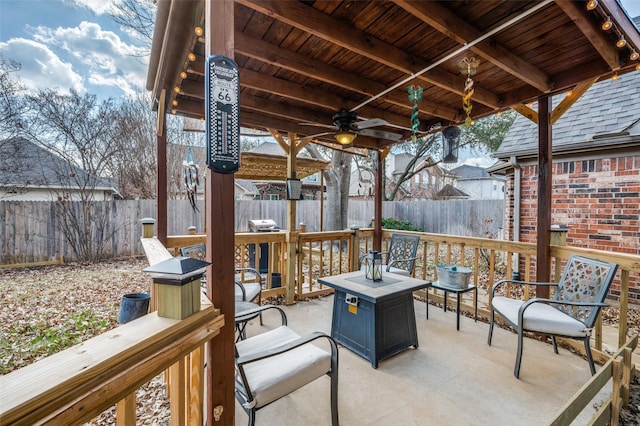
<point x="75" y="44"/>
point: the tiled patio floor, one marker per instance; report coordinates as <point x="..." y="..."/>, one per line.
<point x="453" y="378"/>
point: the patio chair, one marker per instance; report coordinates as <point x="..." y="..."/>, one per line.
<point x="248" y="280"/>
<point x="401" y="257"/>
<point x="571" y="312"/>
<point x="275" y="363"/>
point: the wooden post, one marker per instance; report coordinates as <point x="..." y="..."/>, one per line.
<point x="292" y="234"/>
<point x="558" y="238"/>
<point x="220" y="217"/>
<point x="126" y="411"/>
<point x="545" y="162"/>
<point x="377" y="217"/>
<point x="161" y="189"/>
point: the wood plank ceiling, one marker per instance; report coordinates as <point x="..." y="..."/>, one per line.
<point x="301" y="61"/>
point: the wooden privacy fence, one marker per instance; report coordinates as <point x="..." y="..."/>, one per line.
<point x="30" y="231"/>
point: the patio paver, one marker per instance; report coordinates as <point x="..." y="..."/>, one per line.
<point x="453" y="378"/>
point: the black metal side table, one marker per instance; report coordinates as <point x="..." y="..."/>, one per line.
<point x="458" y="291"/>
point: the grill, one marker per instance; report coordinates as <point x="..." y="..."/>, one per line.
<point x="263" y="225"/>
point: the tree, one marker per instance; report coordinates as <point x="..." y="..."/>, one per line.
<point x="489" y="131"/>
<point x="84" y="133"/>
<point x="134" y="162"/>
<point x="12" y="105"/>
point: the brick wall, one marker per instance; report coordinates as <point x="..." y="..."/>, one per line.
<point x="598" y="199"/>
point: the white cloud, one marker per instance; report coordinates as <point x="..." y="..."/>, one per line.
<point x="99" y="7"/>
<point x="41" y="68"/>
<point x="108" y="59"/>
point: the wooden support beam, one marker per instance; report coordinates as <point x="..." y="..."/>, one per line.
<point x="161" y="184"/>
<point x="445" y="20"/>
<point x="525" y="111"/>
<point x="570" y="99"/>
<point x="545" y="162"/>
<point x="578" y="14"/>
<point x="220" y="225"/>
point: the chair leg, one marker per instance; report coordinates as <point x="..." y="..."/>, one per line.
<point x="252" y="417"/>
<point x="587" y="349"/>
<point x="516" y="371"/>
<point x="334" y="385"/>
<point x="555" y="344"/>
<point x="490" y="328"/>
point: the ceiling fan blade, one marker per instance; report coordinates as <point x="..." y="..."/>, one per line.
<point x="317" y="135"/>
<point x="372" y="122"/>
<point x="328" y="126"/>
<point x="381" y="134"/>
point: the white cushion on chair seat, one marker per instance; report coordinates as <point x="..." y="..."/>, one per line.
<point x="540" y="317"/>
<point x="275" y="377"/>
<point x="399" y="271"/>
<point x="251" y="289"/>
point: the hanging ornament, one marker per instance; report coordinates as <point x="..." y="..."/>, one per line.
<point x="468" y="66"/>
<point x="191" y="178"/>
<point x="415" y="96"/>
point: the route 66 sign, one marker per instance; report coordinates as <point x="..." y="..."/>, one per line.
<point x="222" y="114"/>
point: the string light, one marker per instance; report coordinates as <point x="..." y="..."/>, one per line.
<point x="198" y="31"/>
<point x="174" y="102"/>
<point x="614" y="77"/>
<point x="592" y="4"/>
<point x="634" y="55"/>
<point x="192" y="56"/>
<point x="607" y="24"/>
<point x="621" y="42"/>
<point x="176" y="89"/>
<point x="183" y="75"/>
<point x="638" y="67"/>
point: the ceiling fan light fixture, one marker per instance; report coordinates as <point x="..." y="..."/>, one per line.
<point x="345" y="137"/>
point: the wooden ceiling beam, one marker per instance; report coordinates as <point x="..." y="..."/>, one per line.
<point x="570" y="99"/>
<point x="310" y="20"/>
<point x="578" y="14"/>
<point x="318" y="70"/>
<point x="284" y="88"/>
<point x="453" y="26"/>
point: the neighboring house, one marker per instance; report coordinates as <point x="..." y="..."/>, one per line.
<point x="478" y="184"/>
<point x="596" y="172"/>
<point x="449" y="192"/>
<point x="29" y="172"/>
<point x="246" y="190"/>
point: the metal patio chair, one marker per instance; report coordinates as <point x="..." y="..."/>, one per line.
<point x="277" y="362"/>
<point x="571" y="312"/>
<point x="401" y="257"/>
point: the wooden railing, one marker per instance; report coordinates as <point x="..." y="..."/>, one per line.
<point x="619" y="370"/>
<point x="328" y="253"/>
<point x="77" y="384"/>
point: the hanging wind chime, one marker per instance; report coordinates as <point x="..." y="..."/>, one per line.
<point x="415" y="96"/>
<point x="191" y="178"/>
<point x="468" y="66"/>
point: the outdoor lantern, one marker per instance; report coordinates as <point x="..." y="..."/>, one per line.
<point x="450" y="143"/>
<point x="294" y="189"/>
<point x="177" y="284"/>
<point x="373" y="266"/>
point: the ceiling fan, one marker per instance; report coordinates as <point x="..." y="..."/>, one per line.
<point x="346" y="128"/>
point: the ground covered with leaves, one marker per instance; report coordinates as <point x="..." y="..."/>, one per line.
<point x="47" y="309"/>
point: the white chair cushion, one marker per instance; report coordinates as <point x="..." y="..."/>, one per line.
<point x="540" y="317"/>
<point x="275" y="377"/>
<point x="399" y="271"/>
<point x="251" y="289"/>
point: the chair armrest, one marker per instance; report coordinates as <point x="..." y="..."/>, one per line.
<point x="520" y="283"/>
<point x="557" y="302"/>
<point x="240" y="361"/>
<point x="252" y="270"/>
<point x="244" y="292"/>
<point x="404" y="259"/>
<point x="251" y="313"/>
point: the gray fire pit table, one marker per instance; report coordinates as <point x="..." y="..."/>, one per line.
<point x="374" y="319"/>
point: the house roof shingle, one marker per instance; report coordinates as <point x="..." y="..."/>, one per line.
<point x="607" y="108"/>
